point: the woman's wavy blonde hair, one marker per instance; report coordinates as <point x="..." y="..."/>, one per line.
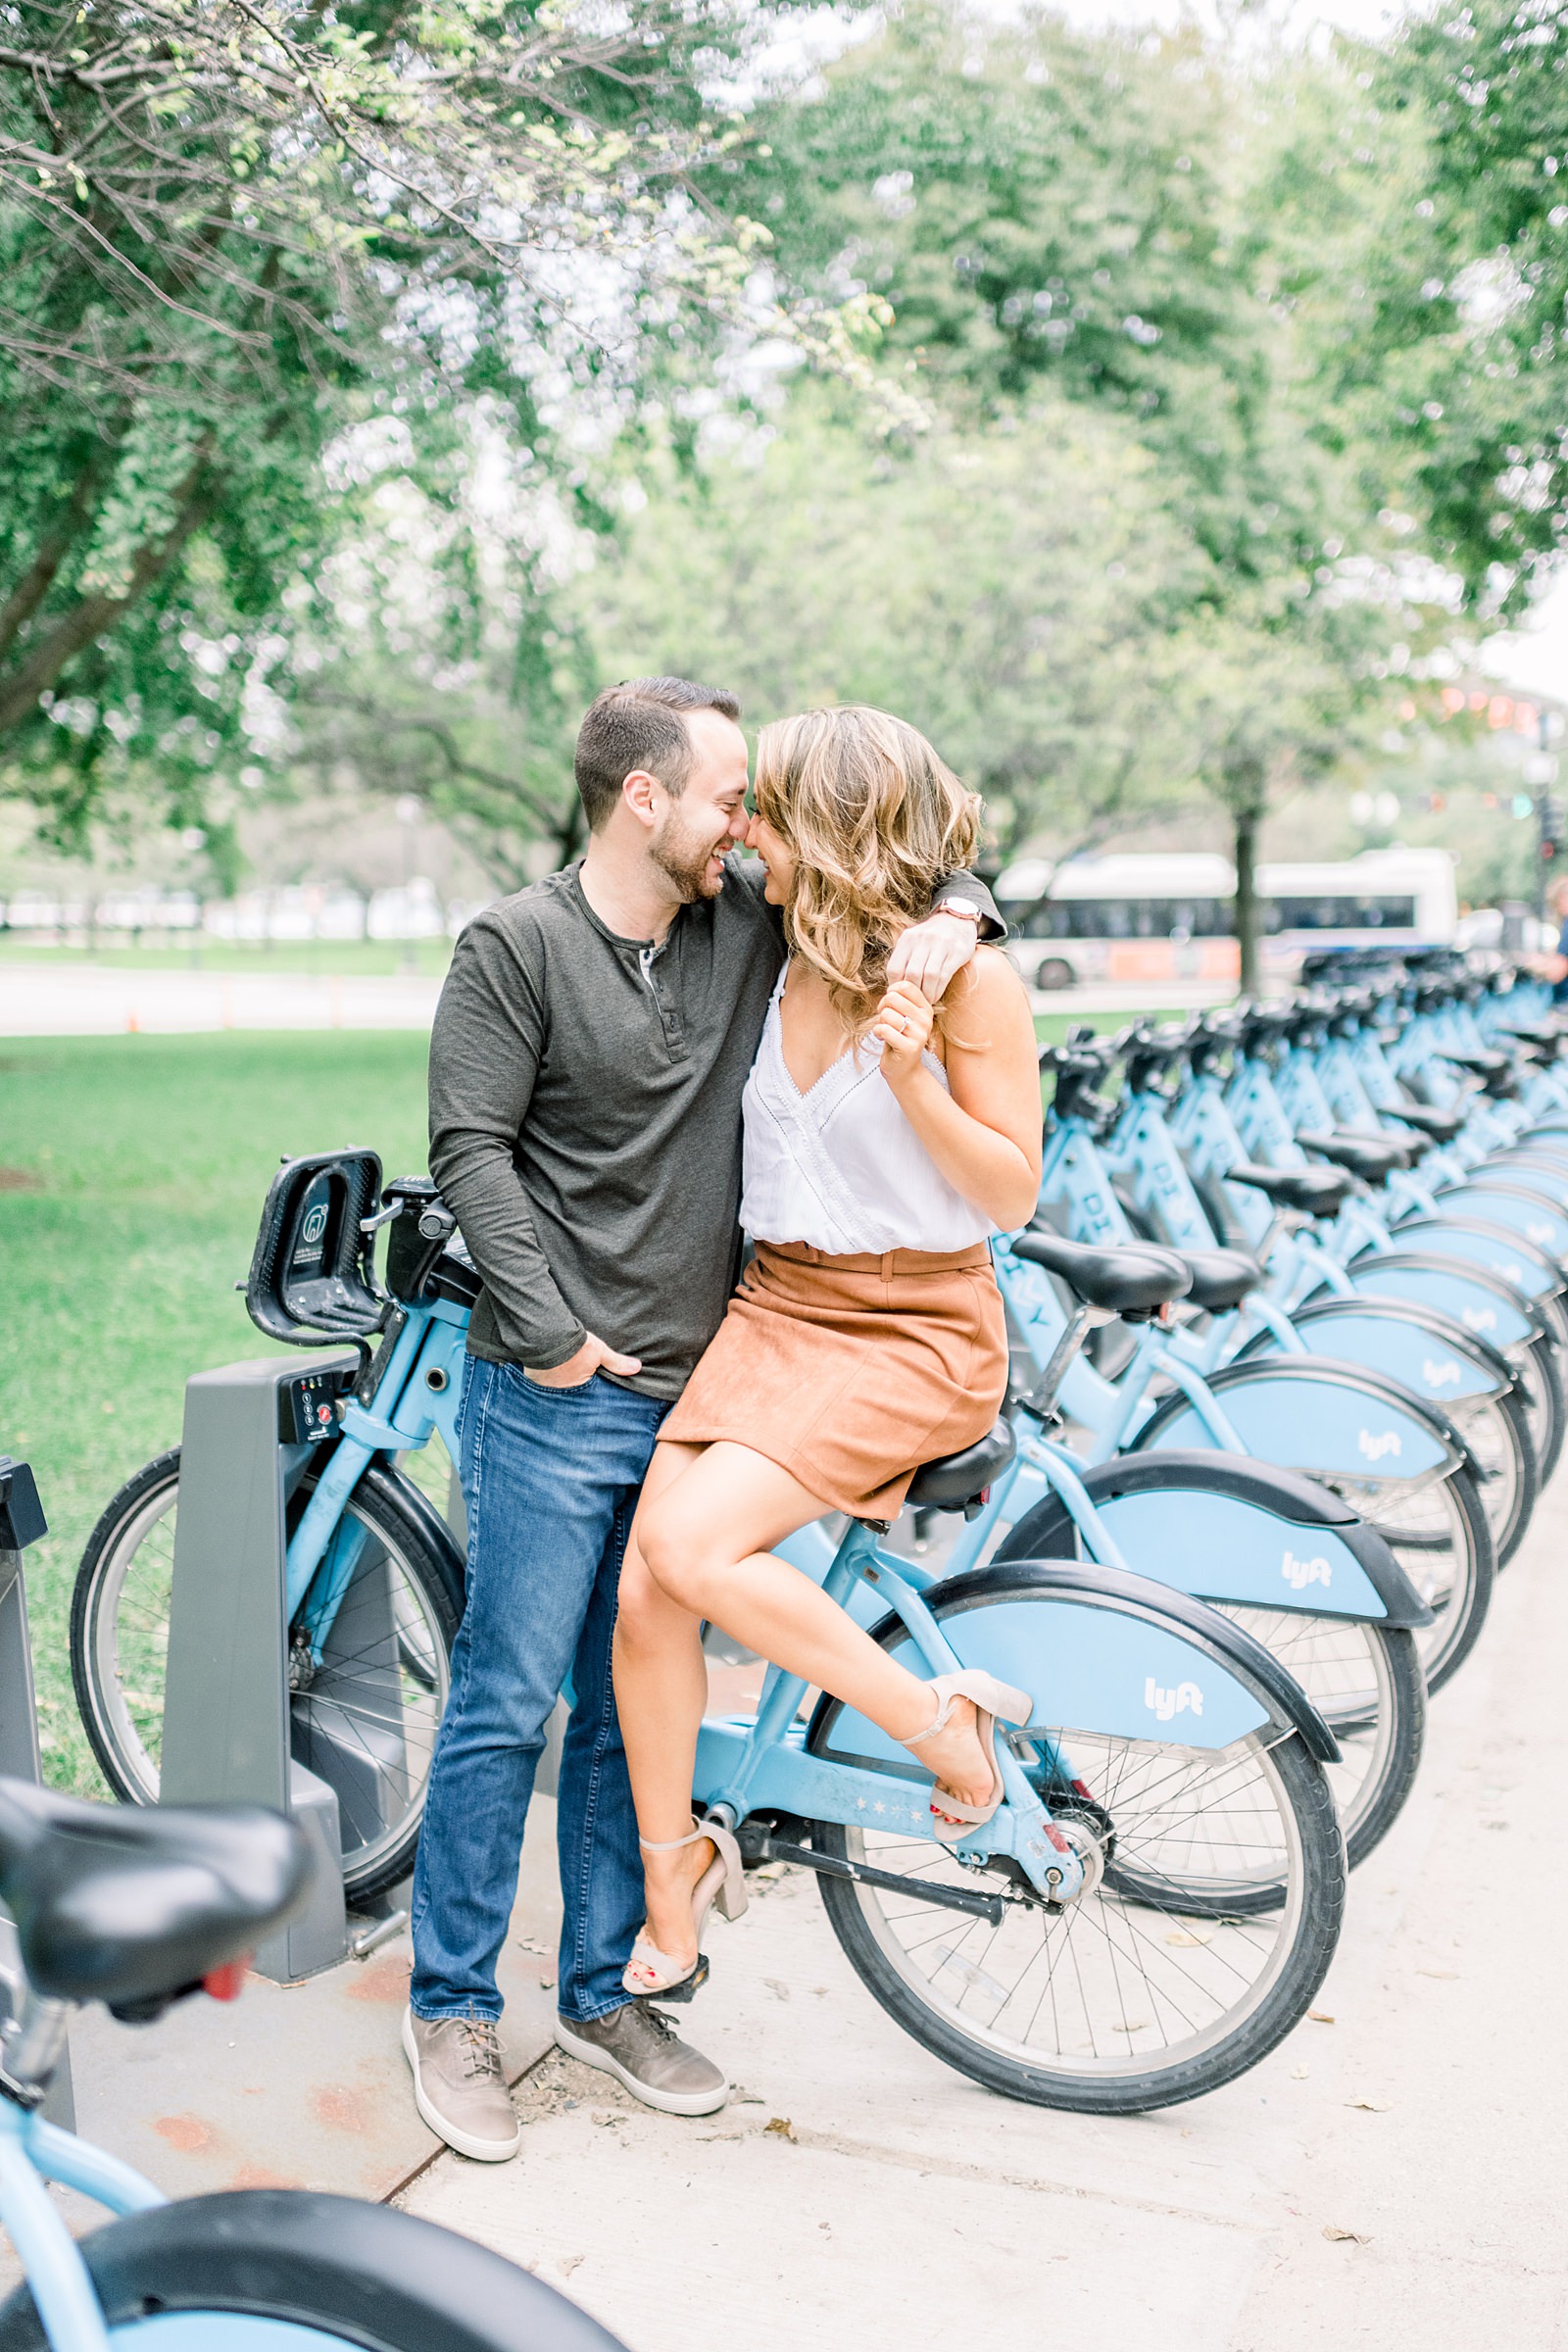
<point x="874" y="821"/>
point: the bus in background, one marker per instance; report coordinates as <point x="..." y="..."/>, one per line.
<point x="1144" y="917"/>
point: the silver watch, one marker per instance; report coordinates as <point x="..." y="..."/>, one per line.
<point x="964" y="906"/>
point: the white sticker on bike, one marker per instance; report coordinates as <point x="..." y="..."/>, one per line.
<point x="1438" y="1376"/>
<point x="1481" y="1318"/>
<point x="1302" y="1573"/>
<point x="1376" y="1447"/>
<point x="1167" y="1703"/>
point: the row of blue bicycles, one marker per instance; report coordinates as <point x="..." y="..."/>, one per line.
<point x="1289" y="1332"/>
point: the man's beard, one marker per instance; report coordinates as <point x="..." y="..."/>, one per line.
<point x="686" y="861"/>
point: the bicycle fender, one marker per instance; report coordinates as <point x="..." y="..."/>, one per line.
<point x="1514" y="1205"/>
<point x="1310" y="1414"/>
<point x="432" y="1526"/>
<point x="1102" y="1650"/>
<point x="1228" y="1529"/>
<point x="1484" y="1243"/>
<point x="1432" y="1358"/>
<point x="1488" y="1307"/>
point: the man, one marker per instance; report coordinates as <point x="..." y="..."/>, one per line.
<point x="590" y="1048"/>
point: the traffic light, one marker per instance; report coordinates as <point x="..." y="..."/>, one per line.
<point x="1554" y="825"/>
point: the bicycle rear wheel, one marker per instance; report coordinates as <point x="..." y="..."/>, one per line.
<point x="290" y="2269"/>
<point x="365" y="1719"/>
<point x="1199" y="1949"/>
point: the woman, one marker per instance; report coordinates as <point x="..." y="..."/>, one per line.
<point x="884" y="1142"/>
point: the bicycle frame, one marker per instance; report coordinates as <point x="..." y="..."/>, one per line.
<point x="413" y="1388"/>
<point x="31" y="2152"/>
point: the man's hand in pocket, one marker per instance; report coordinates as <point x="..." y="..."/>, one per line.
<point x="591" y="1357"/>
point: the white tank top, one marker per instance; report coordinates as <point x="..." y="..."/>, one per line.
<point x="840" y="1167"/>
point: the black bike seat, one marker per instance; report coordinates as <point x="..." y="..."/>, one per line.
<point x="1131" y="1279"/>
<point x="1441" y="1125"/>
<point x="1483" y="1065"/>
<point x="1316" y="1191"/>
<point x="955" y="1479"/>
<point x="1221" y="1278"/>
<point x="135" y="1904"/>
<point x="1372" y="1158"/>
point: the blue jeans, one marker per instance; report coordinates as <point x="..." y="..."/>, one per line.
<point x="551" y="1479"/>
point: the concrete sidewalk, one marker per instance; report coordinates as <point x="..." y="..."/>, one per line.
<point x="87" y="1000"/>
<point x="1392" y="2177"/>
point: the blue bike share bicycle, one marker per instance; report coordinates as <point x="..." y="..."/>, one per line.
<point x="138" y="1910"/>
<point x="1151" y="1910"/>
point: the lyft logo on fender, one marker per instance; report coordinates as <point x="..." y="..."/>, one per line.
<point x="1302" y="1573"/>
<point x="1167" y="1703"/>
<point x="1376" y="1447"/>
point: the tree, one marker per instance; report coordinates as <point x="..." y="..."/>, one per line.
<point x="228" y="228"/>
<point x="1469" y="328"/>
<point x="1048" y="210"/>
<point x="1007" y="592"/>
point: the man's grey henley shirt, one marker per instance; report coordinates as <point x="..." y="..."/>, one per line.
<point x="585" y="1118"/>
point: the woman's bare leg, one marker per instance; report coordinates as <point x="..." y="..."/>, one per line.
<point x="661" y="1691"/>
<point x="699" y="1549"/>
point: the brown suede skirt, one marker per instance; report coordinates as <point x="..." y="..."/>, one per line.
<point x="849" y="1372"/>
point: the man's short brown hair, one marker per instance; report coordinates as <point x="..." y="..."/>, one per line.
<point x="638" y="724"/>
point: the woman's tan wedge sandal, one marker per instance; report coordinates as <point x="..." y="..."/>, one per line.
<point x="993" y="1702"/>
<point x="649" y="1972"/>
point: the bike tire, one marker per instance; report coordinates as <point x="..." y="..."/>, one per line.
<point x="1445" y="1645"/>
<point x="1502" y="1425"/>
<point x="333" y="2268"/>
<point x="108" y="1644"/>
<point x="1546" y="1407"/>
<point x="1305" y="1921"/>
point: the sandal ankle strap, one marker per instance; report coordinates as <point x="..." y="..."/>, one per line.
<point x="668" y="1845"/>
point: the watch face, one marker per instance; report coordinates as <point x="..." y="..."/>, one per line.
<point x="959" y="907"/>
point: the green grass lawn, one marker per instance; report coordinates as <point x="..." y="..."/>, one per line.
<point x="350" y="959"/>
<point x="145" y="1162"/>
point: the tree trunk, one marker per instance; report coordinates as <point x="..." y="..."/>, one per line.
<point x="94" y="615"/>
<point x="1247" y="821"/>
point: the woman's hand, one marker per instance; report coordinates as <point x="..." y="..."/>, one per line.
<point x="904" y="1022"/>
<point x="932" y="954"/>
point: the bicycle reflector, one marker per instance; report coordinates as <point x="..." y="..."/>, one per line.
<point x="312" y="1276"/>
<point x="227" y="1982"/>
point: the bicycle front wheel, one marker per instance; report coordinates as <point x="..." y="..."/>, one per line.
<point x="291" y="2270"/>
<point x="365" y="1718"/>
<point x="1199" y="1949"/>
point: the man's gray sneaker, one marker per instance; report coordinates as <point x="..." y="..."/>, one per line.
<point x="460" y="2085"/>
<point x="641" y="2047"/>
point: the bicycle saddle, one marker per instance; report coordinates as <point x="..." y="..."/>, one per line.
<point x="1372" y="1158"/>
<point x="1441" y="1125"/>
<point x="136" y="1904"/>
<point x="1483" y="1065"/>
<point x="955" y="1479"/>
<point x="1318" y="1192"/>
<point x="1221" y="1278"/>
<point x="1131" y="1281"/>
